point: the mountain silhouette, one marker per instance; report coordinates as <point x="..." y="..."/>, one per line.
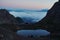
<point x="20" y="20"/>
<point x="7" y="20"/>
<point x="26" y="10"/>
<point x="51" y="22"/>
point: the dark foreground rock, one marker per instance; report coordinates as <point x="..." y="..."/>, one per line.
<point x="8" y="25"/>
<point x="6" y="34"/>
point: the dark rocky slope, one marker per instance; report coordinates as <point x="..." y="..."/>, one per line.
<point x="20" y="20"/>
<point x="8" y="25"/>
<point x="7" y="20"/>
<point x="51" y="21"/>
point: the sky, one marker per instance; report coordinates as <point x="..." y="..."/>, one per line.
<point x="27" y="4"/>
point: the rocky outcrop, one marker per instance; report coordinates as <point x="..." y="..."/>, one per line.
<point x="20" y="20"/>
<point x="7" y="20"/>
<point x="8" y="26"/>
<point x="6" y="17"/>
<point x="51" y="21"/>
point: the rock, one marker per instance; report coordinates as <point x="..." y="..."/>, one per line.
<point x="7" y="20"/>
<point x="20" y="20"/>
<point x="8" y="26"/>
<point x="6" y="17"/>
<point x="51" y="21"/>
<point x="7" y="34"/>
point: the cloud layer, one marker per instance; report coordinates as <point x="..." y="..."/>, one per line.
<point x="29" y="16"/>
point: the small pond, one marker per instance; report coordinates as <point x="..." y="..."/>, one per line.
<point x="38" y="32"/>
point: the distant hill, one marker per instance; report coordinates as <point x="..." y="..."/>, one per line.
<point x="44" y="10"/>
<point x="20" y="20"/>
<point x="25" y="10"/>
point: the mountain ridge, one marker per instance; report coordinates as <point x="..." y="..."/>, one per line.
<point x="24" y="10"/>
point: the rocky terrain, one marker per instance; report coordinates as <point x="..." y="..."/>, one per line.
<point x="7" y="20"/>
<point x="8" y="25"/>
<point x="51" y="22"/>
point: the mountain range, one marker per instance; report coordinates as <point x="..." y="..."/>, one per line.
<point x="25" y="10"/>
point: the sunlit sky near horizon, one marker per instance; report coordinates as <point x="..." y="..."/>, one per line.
<point x="27" y="4"/>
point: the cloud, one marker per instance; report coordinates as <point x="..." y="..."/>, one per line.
<point x="29" y="16"/>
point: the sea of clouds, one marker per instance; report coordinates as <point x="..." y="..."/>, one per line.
<point x="29" y="17"/>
